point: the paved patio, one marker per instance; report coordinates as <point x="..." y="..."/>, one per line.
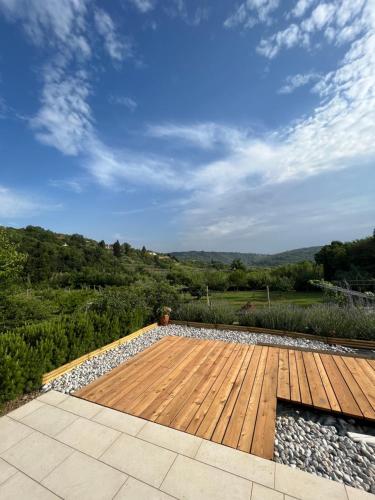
<point x="59" y="446"/>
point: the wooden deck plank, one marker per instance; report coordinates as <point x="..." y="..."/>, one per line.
<point x="264" y="433"/>
<point x="187" y="386"/>
<point x="212" y="417"/>
<point x="283" y="383"/>
<point x="187" y="412"/>
<point x="335" y="406"/>
<point x="104" y="383"/>
<point x="355" y="389"/>
<point x="137" y="380"/>
<point x="247" y="432"/>
<point x="318" y="393"/>
<point x="222" y="424"/>
<point x="295" y="394"/>
<point x="158" y="391"/>
<point x="205" y="406"/>
<point x="367" y="368"/>
<point x="302" y="379"/>
<point x="232" y="434"/>
<point x="343" y="394"/>
<point x="362" y="379"/>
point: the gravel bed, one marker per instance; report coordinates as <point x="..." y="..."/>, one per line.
<point x="253" y="338"/>
<point x="90" y="370"/>
<point x="318" y="443"/>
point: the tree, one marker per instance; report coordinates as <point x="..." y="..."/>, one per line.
<point x="101" y="244"/>
<point x="237" y="264"/>
<point x="11" y="261"/>
<point x="117" y="249"/>
<point x="127" y="248"/>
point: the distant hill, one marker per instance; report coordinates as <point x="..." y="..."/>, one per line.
<point x="250" y="259"/>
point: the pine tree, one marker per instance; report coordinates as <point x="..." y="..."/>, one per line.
<point x="117" y="249"/>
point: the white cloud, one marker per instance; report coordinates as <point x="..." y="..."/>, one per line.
<point x="14" y="204"/>
<point x="115" y="46"/>
<point x="3" y="108"/>
<point x="295" y="81"/>
<point x="301" y="7"/>
<point x="203" y="135"/>
<point x="67" y="184"/>
<point x="65" y="20"/>
<point x="64" y="120"/>
<point x="319" y="18"/>
<point x="251" y="12"/>
<point x="143" y="5"/>
<point x="341" y="21"/>
<point x="287" y="38"/>
<point x="126" y="101"/>
<point x="110" y="166"/>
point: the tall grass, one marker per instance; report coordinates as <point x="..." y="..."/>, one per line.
<point x="328" y="320"/>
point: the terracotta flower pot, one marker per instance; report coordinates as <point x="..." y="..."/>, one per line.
<point x="164" y="320"/>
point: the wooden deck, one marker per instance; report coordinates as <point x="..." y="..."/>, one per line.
<point x="228" y="393"/>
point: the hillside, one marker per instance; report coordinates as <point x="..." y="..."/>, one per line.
<point x="250" y="259"/>
<point x="73" y="260"/>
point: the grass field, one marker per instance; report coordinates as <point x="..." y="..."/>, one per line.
<point x="259" y="298"/>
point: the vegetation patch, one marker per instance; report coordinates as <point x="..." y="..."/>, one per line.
<point x="328" y="320"/>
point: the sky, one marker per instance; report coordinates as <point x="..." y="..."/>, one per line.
<point x="189" y="124"/>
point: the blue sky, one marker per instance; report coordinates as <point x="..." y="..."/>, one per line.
<point x="238" y="126"/>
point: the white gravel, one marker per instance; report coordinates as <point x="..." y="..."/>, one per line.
<point x="319" y="443"/>
<point x="90" y="370"/>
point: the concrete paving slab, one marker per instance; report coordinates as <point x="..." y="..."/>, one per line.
<point x="180" y="442"/>
<point x="119" y="421"/>
<point x="192" y="480"/>
<point x="307" y="486"/>
<point x="6" y="471"/>
<point x="87" y="436"/>
<point x="49" y="419"/>
<point x="356" y="494"/>
<point x="84" y="478"/>
<point x="26" y="409"/>
<point x="237" y="462"/>
<point x="37" y="455"/>
<point x="11" y="432"/>
<point x="136" y="490"/>
<point x="144" y="461"/>
<point x="260" y="492"/>
<point x="21" y="487"/>
<point x="53" y="397"/>
<point x="80" y="407"/>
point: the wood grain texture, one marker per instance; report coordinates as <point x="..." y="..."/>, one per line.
<point x="228" y="392"/>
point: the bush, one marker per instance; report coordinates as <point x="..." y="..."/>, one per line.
<point x="91" y="320"/>
<point x="217" y="314"/>
<point x="28" y="352"/>
<point x="325" y="320"/>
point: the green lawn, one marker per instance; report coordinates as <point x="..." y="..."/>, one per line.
<point x="259" y="298"/>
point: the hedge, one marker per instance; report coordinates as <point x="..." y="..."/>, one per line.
<point x="28" y="352"/>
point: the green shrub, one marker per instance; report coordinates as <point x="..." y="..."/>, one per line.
<point x="28" y="352"/>
<point x="329" y="320"/>
<point x="197" y="311"/>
